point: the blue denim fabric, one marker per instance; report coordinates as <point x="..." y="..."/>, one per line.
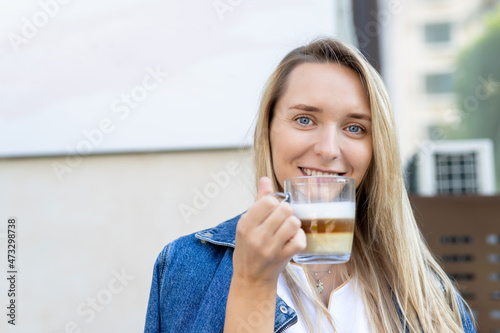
<point x="466" y="322"/>
<point x="191" y="280"/>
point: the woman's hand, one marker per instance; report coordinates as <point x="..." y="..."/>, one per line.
<point x="267" y="236"/>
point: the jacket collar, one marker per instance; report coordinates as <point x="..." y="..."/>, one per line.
<point x="224" y="234"/>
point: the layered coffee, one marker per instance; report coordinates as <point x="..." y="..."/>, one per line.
<point x="328" y="227"/>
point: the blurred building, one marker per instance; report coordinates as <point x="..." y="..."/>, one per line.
<point x="454" y="167"/>
<point x="421" y="42"/>
<point x="461" y="232"/>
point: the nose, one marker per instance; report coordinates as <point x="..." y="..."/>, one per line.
<point x="327" y="144"/>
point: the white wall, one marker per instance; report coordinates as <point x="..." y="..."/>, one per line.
<point x="111" y="215"/>
<point x="137" y="71"/>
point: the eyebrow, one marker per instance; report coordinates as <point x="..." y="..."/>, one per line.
<point x="361" y="116"/>
<point x="304" y="107"/>
<point x="310" y="108"/>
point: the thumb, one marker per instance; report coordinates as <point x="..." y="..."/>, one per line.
<point x="265" y="187"/>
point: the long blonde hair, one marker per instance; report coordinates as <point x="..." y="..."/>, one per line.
<point x="402" y="285"/>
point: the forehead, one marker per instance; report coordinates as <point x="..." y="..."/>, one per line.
<point x="325" y="85"/>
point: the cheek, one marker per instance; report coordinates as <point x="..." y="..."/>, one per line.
<point x="275" y="143"/>
<point x="361" y="156"/>
<point x="278" y="146"/>
<point x="286" y="146"/>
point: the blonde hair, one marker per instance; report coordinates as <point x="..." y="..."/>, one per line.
<point x="402" y="285"/>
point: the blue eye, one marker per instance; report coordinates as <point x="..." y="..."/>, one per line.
<point x="354" y="129"/>
<point x="304" y="121"/>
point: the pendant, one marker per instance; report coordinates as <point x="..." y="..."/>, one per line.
<point x="319" y="285"/>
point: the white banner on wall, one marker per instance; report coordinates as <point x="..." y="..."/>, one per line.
<point x="126" y="76"/>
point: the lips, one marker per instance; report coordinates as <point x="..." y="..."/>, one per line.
<point x="316" y="172"/>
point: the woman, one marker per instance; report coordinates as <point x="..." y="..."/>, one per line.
<point x="324" y="110"/>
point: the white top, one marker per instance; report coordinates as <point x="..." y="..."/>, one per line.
<point x="345" y="305"/>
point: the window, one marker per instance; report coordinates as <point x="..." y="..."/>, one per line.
<point x="456" y="173"/>
<point x="437" y="33"/>
<point x="454" y="167"/>
<point x="439" y="83"/>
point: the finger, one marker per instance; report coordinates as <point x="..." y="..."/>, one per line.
<point x="273" y="222"/>
<point x="262" y="207"/>
<point x="287" y="229"/>
<point x="259" y="212"/>
<point x="294" y="246"/>
<point x="265" y="187"/>
<point x="286" y="232"/>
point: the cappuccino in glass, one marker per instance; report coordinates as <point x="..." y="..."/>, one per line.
<point x="329" y="228"/>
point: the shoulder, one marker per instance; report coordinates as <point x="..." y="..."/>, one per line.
<point x="222" y="235"/>
<point x="203" y="247"/>
<point x="202" y="262"/>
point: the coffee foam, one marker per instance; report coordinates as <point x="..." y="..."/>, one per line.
<point x="325" y="210"/>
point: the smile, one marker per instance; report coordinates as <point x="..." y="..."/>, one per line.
<point x="313" y="172"/>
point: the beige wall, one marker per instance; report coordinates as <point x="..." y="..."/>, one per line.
<point x="110" y="216"/>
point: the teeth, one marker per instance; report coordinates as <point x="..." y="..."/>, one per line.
<point x="310" y="172"/>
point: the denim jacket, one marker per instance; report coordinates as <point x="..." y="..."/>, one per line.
<point x="191" y="280"/>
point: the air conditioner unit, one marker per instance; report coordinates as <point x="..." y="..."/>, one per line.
<point x="452" y="168"/>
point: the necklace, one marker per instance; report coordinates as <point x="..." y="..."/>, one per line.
<point x="319" y="284"/>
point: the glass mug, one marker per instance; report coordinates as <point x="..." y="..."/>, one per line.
<point x="326" y="207"/>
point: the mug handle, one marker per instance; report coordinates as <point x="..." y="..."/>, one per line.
<point x="280" y="195"/>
